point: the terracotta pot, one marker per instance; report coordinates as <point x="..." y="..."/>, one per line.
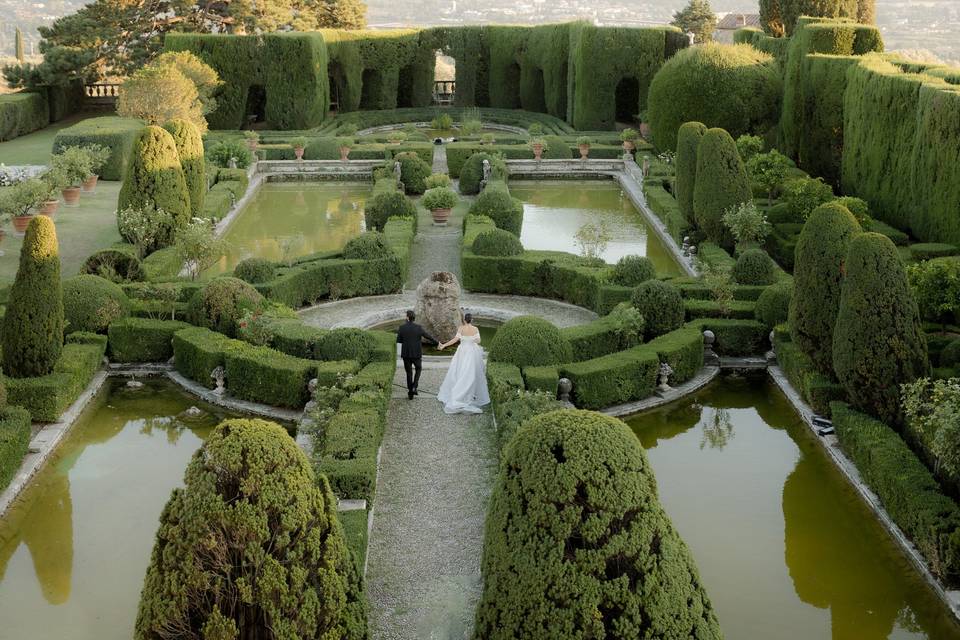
<point x="440" y="216"/>
<point x="20" y="223"/>
<point x="628" y="145"/>
<point x="71" y="196"/>
<point x="89" y="184"/>
<point x="344" y="153"/>
<point x="537" y="151"/>
<point x="49" y="208"/>
<point x="298" y="151"/>
<point x="584" y="151"/>
<point x="252" y="145"/>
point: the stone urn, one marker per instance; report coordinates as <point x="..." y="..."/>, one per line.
<point x="440" y="216"/>
<point x="438" y="305"/>
<point x="537" y="150"/>
<point x="628" y="146"/>
<point x="344" y="154"/>
<point x="298" y="152"/>
<point x="71" y="196"/>
<point x="584" y="151"/>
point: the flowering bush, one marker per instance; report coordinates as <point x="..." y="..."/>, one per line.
<point x="143" y="227"/>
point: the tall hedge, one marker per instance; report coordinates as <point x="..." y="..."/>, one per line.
<point x="817" y="276"/>
<point x="735" y="87"/>
<point x="721" y="182"/>
<point x="878" y="342"/>
<point x="251" y="547"/>
<point x="779" y="17"/>
<point x="577" y="544"/>
<point x="688" y="141"/>
<point x="155" y="178"/>
<point x="189" y="144"/>
<point x="33" y="324"/>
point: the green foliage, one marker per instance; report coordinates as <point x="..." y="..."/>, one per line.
<point x="22" y="113"/>
<point x="622" y="329"/>
<point x="301" y="585"/>
<point x="186" y="136"/>
<point x="438" y="180"/>
<point x="749" y="146"/>
<point x="347" y="344"/>
<point x="221" y="303"/>
<point x="936" y="287"/>
<point x="254" y="270"/>
<point x="722" y="183"/>
<point x="950" y="356"/>
<point x="768" y="170"/>
<point x="661" y="306"/>
<point x="226" y="150"/>
<point x="14" y="441"/>
<point x="688" y="141"/>
<point x="818" y="273"/>
<point x="158" y="94"/>
<point x="806" y="194"/>
<point x="734" y="87"/>
<point x="413" y="172"/>
<point x="198" y="246"/>
<point x="497" y="242"/>
<point x="574" y="475"/>
<point x="747" y="223"/>
<point x="932" y="410"/>
<point x="496" y="203"/>
<point x="34" y="323"/>
<point x="371" y="245"/>
<point x="119" y="135"/>
<point x="931" y="250"/>
<point x="696" y="18"/>
<point x="779" y="17"/>
<point x="754" y="266"/>
<point x="92" y="303"/>
<point x="471" y="174"/>
<point x="142" y="339"/>
<point x="529" y="341"/>
<point x="773" y="305"/>
<point x="631" y="271"/>
<point x="440" y="198"/>
<point x="878" y="342"/>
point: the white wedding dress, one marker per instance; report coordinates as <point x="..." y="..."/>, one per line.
<point x="464" y="389"/>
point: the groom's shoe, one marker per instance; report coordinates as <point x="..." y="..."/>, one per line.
<point x="410" y="395"/>
<point x="415" y="391"/>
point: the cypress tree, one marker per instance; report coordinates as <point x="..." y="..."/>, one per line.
<point x="817" y="275"/>
<point x="251" y="547"/>
<point x="186" y="136"/>
<point x="688" y="139"/>
<point x="155" y="178"/>
<point x="721" y="182"/>
<point x="779" y="17"/>
<point x="33" y="324"/>
<point x="577" y="544"/>
<point x="878" y="342"/>
<point x="19" y="51"/>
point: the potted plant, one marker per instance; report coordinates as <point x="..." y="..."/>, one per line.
<point x="344" y="144"/>
<point x="583" y="143"/>
<point x="98" y="156"/>
<point x="535" y="130"/>
<point x="487" y="138"/>
<point x="396" y="137"/>
<point x="252" y="138"/>
<point x="440" y="200"/>
<point x="73" y="166"/>
<point x="56" y="181"/>
<point x="443" y="122"/>
<point x="629" y="139"/>
<point x="438" y="180"/>
<point x="299" y="144"/>
<point x="19" y="200"/>
<point x="538" y="145"/>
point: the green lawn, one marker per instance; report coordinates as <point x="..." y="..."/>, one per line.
<point x="81" y="230"/>
<point x="34" y="148"/>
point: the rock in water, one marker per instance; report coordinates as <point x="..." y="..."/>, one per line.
<point x="438" y="305"/>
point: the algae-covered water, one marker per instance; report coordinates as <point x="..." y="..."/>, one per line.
<point x="74" y="548"/>
<point x="785" y="547"/>
<point x="554" y="211"/>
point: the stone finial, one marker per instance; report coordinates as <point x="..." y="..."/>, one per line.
<point x="710" y="357"/>
<point x="312" y="390"/>
<point x="771" y="355"/>
<point x="663" y="377"/>
<point x="219" y="375"/>
<point x="565" y="386"/>
<point x="232" y="163"/>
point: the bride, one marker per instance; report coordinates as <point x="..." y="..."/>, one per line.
<point x="464" y="389"/>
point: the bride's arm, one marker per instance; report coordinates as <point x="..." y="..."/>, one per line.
<point x="454" y="340"/>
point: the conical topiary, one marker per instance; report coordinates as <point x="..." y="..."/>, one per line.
<point x="577" y="544"/>
<point x="186" y="136"/>
<point x="878" y="343"/>
<point x="251" y="547"/>
<point x="817" y="275"/>
<point x="33" y="325"/>
<point x="154" y="178"/>
<point x="721" y="183"/>
<point x="688" y="140"/>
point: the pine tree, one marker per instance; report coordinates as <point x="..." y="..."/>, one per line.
<point x="18" y="45"/>
<point x="697" y="18"/>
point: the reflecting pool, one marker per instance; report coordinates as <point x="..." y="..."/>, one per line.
<point x="285" y="220"/>
<point x="785" y="546"/>
<point x="554" y="211"/>
<point x="74" y="548"/>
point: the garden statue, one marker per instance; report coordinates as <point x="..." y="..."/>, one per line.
<point x="193" y="412"/>
<point x="486" y="174"/>
<point x="312" y="389"/>
<point x="710" y="357"/>
<point x="219" y="375"/>
<point x="771" y="355"/>
<point x="232" y="163"/>
<point x="685" y="247"/>
<point x="438" y="305"/>
<point x="134" y="384"/>
<point x="397" y="171"/>
<point x="663" y="378"/>
<point x="646" y="166"/>
<point x="565" y="386"/>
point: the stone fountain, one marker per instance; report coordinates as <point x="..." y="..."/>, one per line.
<point x="438" y="305"/>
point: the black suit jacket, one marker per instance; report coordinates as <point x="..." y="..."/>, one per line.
<point x="410" y="336"/>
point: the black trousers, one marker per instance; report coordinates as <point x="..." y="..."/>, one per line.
<point x="412" y="366"/>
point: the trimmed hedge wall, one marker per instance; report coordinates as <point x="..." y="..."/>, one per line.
<point x="22" y="113"/>
<point x="14" y="441"/>
<point x="117" y="134"/>
<point x="142" y="339"/>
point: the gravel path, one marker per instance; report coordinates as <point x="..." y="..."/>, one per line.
<point x="436" y="473"/>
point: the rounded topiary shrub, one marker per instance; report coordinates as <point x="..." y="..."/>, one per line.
<point x="735" y="87"/>
<point x="347" y="344"/>
<point x="413" y="172"/>
<point x="189" y="144"/>
<point x="118" y="263"/>
<point x="878" y="342"/>
<point x="497" y="204"/>
<point x="91" y="303"/>
<point x="249" y="492"/>
<point x="386" y="205"/>
<point x="497" y="242"/>
<point x="817" y="275"/>
<point x="773" y="305"/>
<point x="722" y="182"/>
<point x="577" y="544"/>
<point x="685" y="163"/>
<point x="221" y="303"/>
<point x="155" y="178"/>
<point x="33" y="324"/>
<point x="950" y="356"/>
<point x="528" y="341"/>
<point x="368" y="246"/>
<point x="631" y="271"/>
<point x="471" y="173"/>
<point x="754" y="267"/>
<point x="255" y="270"/>
<point x="661" y="306"/>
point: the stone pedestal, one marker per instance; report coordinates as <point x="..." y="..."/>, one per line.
<point x="438" y="305"/>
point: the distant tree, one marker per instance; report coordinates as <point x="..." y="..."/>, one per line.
<point x="60" y="65"/>
<point x="18" y="45"/>
<point x="697" y="18"/>
<point x="159" y="94"/>
<point x="779" y="17"/>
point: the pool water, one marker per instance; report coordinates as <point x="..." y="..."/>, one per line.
<point x="553" y="212"/>
<point x="785" y="546"/>
<point x="75" y="546"/>
<point x="285" y="220"/>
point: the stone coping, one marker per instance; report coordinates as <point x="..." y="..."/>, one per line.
<point x="319" y="169"/>
<point x="699" y="381"/>
<point x="385" y="128"/>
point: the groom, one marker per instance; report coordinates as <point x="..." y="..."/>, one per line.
<point x="411" y="336"/>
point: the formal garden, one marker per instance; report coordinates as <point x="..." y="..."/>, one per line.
<point x="718" y="288"/>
